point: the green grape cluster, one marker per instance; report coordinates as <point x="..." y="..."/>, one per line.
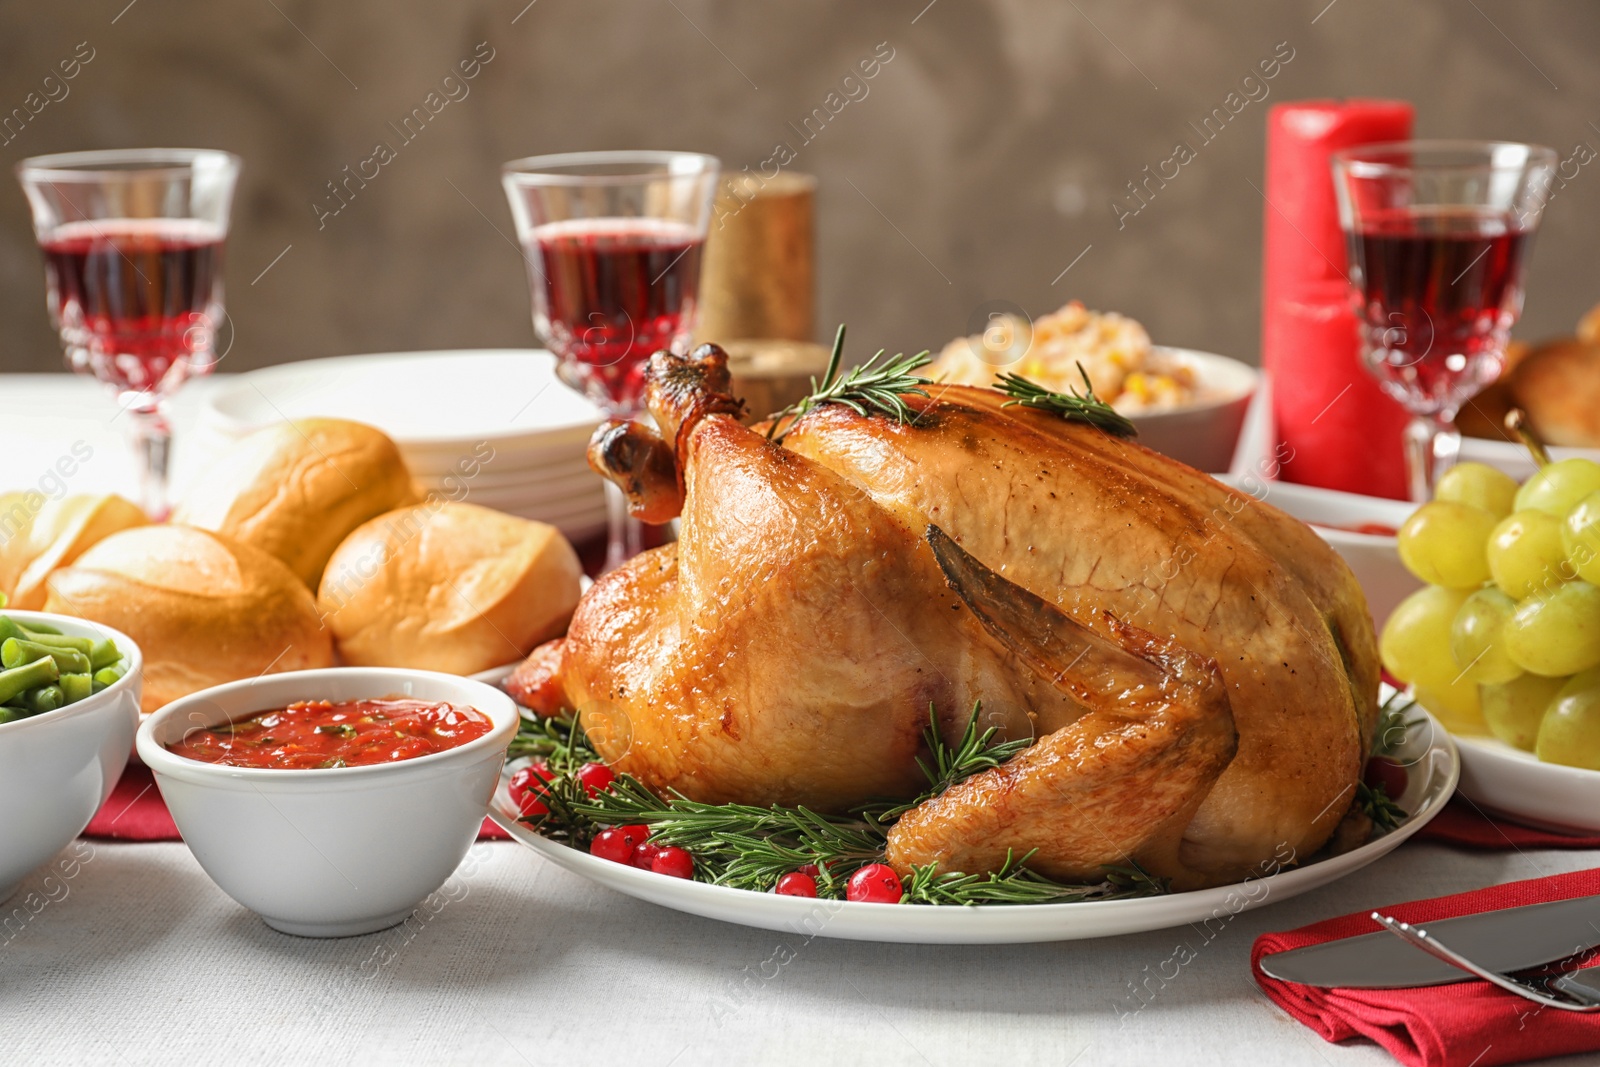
<point x="1505" y="637"/>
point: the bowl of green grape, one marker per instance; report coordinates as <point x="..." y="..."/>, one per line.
<point x="1502" y="643"/>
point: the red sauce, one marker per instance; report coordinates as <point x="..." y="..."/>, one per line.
<point x="1377" y="529"/>
<point x="317" y="734"/>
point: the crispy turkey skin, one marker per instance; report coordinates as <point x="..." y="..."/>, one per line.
<point x="1198" y="669"/>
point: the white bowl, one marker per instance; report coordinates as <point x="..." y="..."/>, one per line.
<point x="1509" y="781"/>
<point x="1513" y="458"/>
<point x="329" y="853"/>
<point x="56" y="769"/>
<point x="1374" y="558"/>
<point x="1202" y="434"/>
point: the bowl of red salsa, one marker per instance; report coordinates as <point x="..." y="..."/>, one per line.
<point x="331" y="802"/>
<point x="319" y="735"/>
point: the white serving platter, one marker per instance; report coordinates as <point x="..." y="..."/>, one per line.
<point x="1433" y="772"/>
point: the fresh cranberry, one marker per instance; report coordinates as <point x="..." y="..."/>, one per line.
<point x="1386" y="773"/>
<point x="526" y="786"/>
<point x="797" y="884"/>
<point x="808" y="868"/>
<point x="596" y="777"/>
<point x="612" y="845"/>
<point x="645" y="854"/>
<point x="876" y="883"/>
<point x="673" y="862"/>
<point x="619" y="844"/>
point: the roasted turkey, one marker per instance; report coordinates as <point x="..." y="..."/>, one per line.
<point x="1198" y="669"/>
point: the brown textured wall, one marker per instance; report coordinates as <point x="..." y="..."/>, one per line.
<point x="984" y="158"/>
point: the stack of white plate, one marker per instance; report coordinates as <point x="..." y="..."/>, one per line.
<point x="486" y="426"/>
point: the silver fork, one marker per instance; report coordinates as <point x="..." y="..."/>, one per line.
<point x="1562" y="991"/>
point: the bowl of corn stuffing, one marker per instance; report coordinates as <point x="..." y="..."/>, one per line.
<point x="1186" y="404"/>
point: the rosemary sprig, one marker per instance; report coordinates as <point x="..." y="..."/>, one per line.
<point x="869" y="387"/>
<point x="1134" y="880"/>
<point x="1393" y="726"/>
<point x="1013" y="883"/>
<point x="558" y="740"/>
<point x="1073" y="406"/>
<point x="973" y="753"/>
<point x="742" y="845"/>
<point x="1379" y="807"/>
<point x="747" y="846"/>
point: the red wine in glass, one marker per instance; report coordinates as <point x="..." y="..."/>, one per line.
<point x="137" y="299"/>
<point x="1439" y="290"/>
<point x="608" y="293"/>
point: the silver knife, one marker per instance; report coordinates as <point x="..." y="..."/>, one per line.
<point x="1512" y="939"/>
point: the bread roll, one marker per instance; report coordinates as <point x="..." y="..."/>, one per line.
<point x="52" y="533"/>
<point x="448" y="587"/>
<point x="1589" y="326"/>
<point x="203" y="609"/>
<point x="296" y="489"/>
<point x="1484" y="415"/>
<point x="16" y="519"/>
<point x="1558" y="386"/>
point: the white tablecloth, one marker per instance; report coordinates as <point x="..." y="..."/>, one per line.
<point x="142" y="960"/>
<point x="44" y="415"/>
<point x="138" y="958"/>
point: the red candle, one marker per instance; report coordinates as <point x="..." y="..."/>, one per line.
<point x="1342" y="431"/>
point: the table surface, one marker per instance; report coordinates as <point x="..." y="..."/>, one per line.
<point x="45" y="415"/>
<point x="133" y="956"/>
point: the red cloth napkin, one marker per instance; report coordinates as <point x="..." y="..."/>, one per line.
<point x="1464" y="824"/>
<point x="136" y="812"/>
<point x="1469" y="1024"/>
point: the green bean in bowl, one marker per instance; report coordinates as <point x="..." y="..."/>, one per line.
<point x="64" y="737"/>
<point x="42" y="669"/>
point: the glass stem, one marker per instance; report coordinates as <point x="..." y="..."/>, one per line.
<point x="625" y="534"/>
<point x="1432" y="446"/>
<point x="152" y="445"/>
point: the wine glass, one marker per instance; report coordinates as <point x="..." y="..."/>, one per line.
<point x="612" y="242"/>
<point x="1438" y="233"/>
<point x="132" y="244"/>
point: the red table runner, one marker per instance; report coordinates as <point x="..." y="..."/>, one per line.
<point x="1465" y="825"/>
<point x="136" y="812"/>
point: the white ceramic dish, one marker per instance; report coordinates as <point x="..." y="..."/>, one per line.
<point x="1434" y="770"/>
<point x="1508" y="781"/>
<point x="563" y="458"/>
<point x="1514" y="458"/>
<point x="494" y="426"/>
<point x="563" y="479"/>
<point x="429" y="402"/>
<point x="1374" y="558"/>
<point x="588" y="496"/>
<point x="58" y="768"/>
<point x="1202" y="434"/>
<point x="329" y="853"/>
